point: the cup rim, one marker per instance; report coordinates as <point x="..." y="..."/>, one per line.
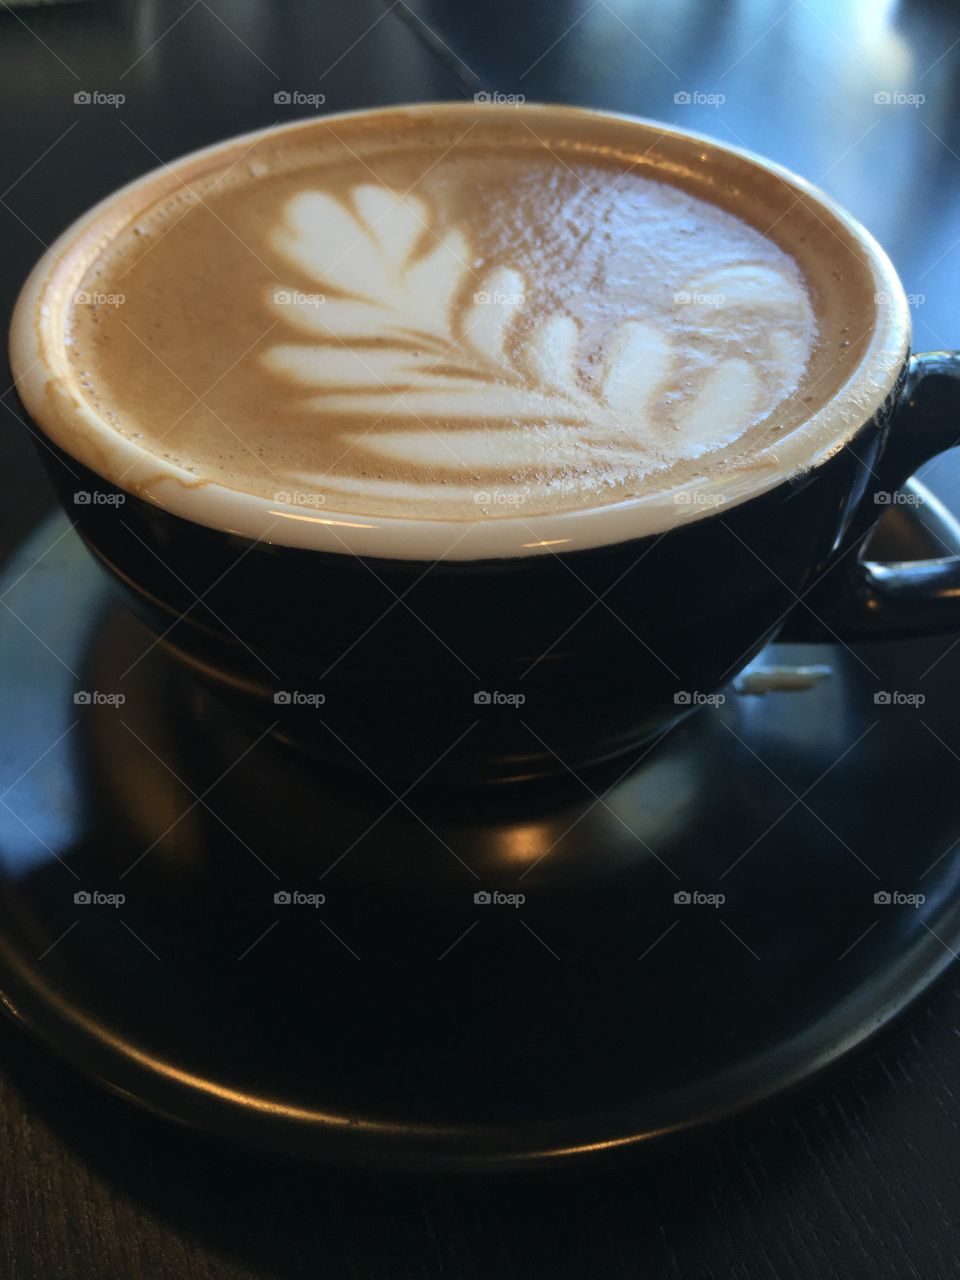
<point x="47" y="390"/>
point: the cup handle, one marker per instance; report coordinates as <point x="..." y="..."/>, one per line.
<point x="906" y="597"/>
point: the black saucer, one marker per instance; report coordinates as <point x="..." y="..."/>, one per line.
<point x="402" y="1022"/>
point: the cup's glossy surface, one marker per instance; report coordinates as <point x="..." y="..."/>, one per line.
<point x="480" y="667"/>
<point x="477" y="670"/>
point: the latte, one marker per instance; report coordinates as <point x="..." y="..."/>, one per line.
<point x="431" y="316"/>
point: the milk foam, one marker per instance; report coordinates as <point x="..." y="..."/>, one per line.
<point x="415" y="350"/>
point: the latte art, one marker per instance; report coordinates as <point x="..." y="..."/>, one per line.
<point x="403" y="338"/>
<point x="465" y="329"/>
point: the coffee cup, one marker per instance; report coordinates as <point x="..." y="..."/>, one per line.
<point x="473" y="442"/>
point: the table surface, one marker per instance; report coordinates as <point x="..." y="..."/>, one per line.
<point x="858" y="1177"/>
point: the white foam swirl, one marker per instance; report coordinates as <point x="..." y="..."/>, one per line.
<point x="402" y="336"/>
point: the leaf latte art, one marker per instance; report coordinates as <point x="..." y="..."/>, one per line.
<point x="471" y="326"/>
<point x="407" y="331"/>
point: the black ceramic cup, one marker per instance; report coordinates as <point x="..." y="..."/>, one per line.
<point x="423" y="650"/>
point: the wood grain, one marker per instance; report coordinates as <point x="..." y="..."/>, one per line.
<point x="859" y="1178"/>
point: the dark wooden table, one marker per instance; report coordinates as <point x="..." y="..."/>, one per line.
<point x="860" y="1177"/>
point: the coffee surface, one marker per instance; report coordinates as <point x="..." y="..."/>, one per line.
<point x="429" y="325"/>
